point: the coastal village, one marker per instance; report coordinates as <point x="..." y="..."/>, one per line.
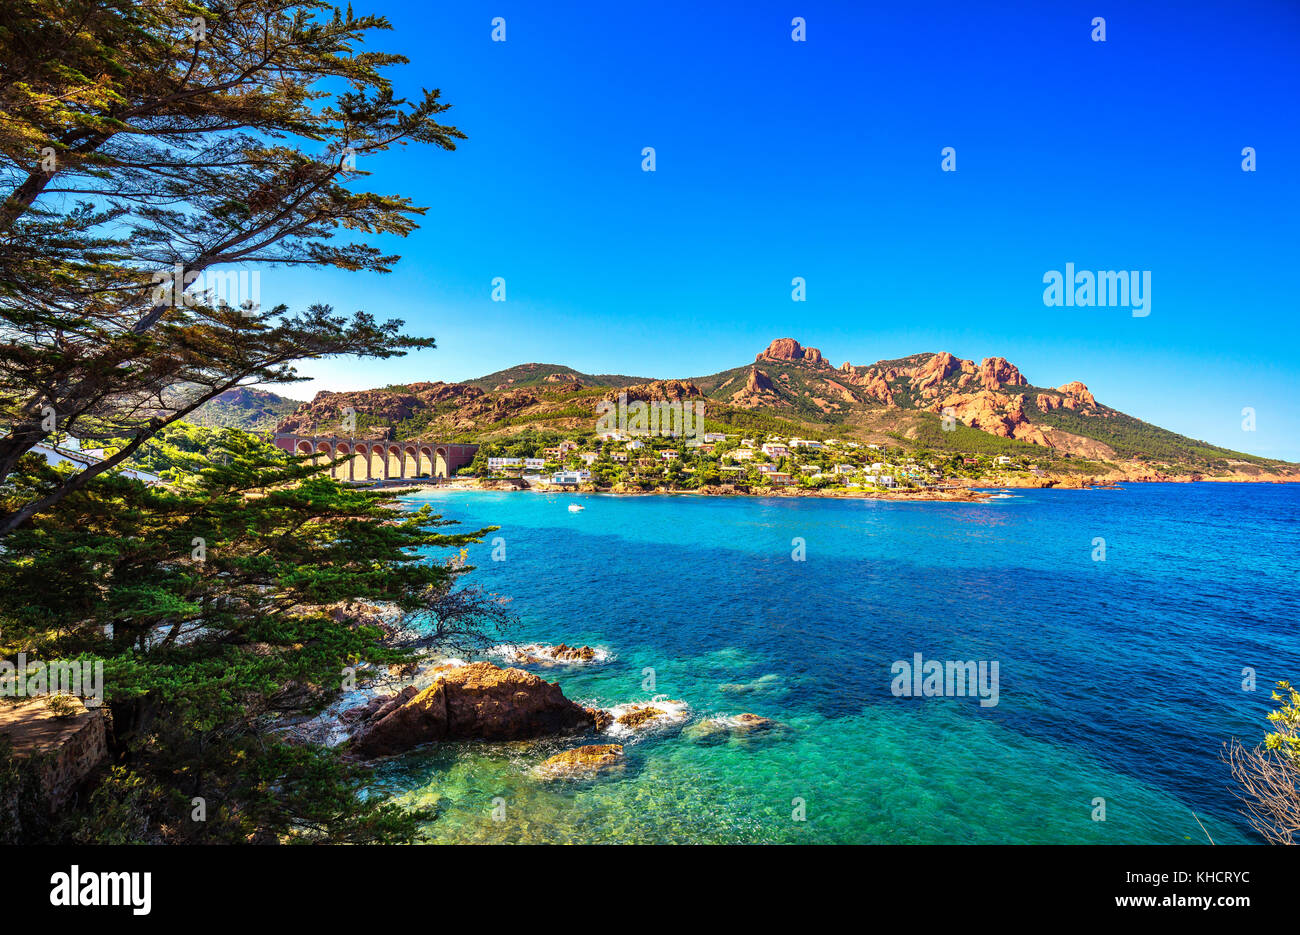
<point x="719" y="462"/>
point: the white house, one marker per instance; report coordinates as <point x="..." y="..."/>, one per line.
<point x="589" y="458"/>
<point x="714" y="437"/>
<point x="844" y="469"/>
<point x="740" y="454"/>
<point x="1002" y="459"/>
<point x="534" y="464"/>
<point x="498" y="464"/>
<point x="774" y="450"/>
<point x="806" y="443"/>
<point x="635" y="445"/>
<point x="669" y="455"/>
<point x="570" y="477"/>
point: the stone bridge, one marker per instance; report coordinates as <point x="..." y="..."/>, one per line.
<point x="373" y="459"/>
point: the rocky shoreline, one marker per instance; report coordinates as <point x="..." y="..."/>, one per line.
<point x="449" y="700"/>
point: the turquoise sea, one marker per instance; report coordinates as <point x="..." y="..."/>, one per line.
<point x="1118" y="679"/>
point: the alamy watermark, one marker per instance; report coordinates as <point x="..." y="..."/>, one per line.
<point x="657" y="417"/>
<point x="235" y="288"/>
<point x="33" y="679"/>
<point x="1111" y="288"/>
<point x="950" y="678"/>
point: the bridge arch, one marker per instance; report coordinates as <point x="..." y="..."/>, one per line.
<point x="378" y="460"/>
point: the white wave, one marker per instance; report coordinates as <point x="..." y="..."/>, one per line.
<point x="545" y="654"/>
<point x="670" y="713"/>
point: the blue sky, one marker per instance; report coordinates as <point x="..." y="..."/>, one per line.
<point x="821" y="159"/>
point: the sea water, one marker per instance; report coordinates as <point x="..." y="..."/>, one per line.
<point x="1122" y="669"/>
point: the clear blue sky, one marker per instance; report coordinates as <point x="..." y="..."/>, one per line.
<point x="821" y="159"/>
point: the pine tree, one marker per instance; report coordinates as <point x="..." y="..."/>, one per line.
<point x="146" y="142"/>
<point x="213" y="604"/>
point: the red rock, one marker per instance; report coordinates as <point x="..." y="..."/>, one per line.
<point x="995" y="371"/>
<point x="1077" y="391"/>
<point x="477" y="701"/>
<point x="782" y="349"/>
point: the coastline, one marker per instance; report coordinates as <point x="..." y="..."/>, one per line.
<point x="971" y="491"/>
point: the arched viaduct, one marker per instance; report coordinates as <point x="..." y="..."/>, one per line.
<point x="376" y="459"/>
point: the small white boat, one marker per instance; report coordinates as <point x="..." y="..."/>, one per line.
<point x="574" y="508"/>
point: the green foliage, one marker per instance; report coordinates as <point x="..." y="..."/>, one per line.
<point x="209" y="157"/>
<point x="567" y="412"/>
<point x="182" y="449"/>
<point x="1285" y="738"/>
<point x="208" y="602"/>
<point x="250" y="410"/>
<point x="1132" y="437"/>
<point x="534" y="375"/>
<point x="24" y="813"/>
<point x="962" y="438"/>
<point x="750" y="421"/>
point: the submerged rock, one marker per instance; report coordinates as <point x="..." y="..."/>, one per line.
<point x="741" y="726"/>
<point x="762" y="683"/>
<point x="637" y="718"/>
<point x="583" y="762"/>
<point x="477" y="701"/>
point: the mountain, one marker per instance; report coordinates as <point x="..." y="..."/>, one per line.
<point x="244" y="408"/>
<point x="536" y="374"/>
<point x="928" y="400"/>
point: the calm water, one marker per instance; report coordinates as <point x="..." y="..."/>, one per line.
<point x="1118" y="679"/>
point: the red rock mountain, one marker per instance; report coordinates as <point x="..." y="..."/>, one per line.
<point x="795" y="391"/>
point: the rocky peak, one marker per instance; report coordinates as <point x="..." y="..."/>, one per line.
<point x="1077" y="391"/>
<point x="996" y="371"/>
<point x="935" y="371"/>
<point x="790" y="349"/>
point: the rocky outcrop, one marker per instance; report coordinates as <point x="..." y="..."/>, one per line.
<point x="583" y="762"/>
<point x="984" y="410"/>
<point x="1077" y="395"/>
<point x="477" y="701"/>
<point x="326" y="410"/>
<point x="790" y="349"/>
<point x="935" y="371"/>
<point x="757" y="391"/>
<point x="63" y="740"/>
<point x="494" y="408"/>
<point x="655" y="390"/>
<point x="996" y="371"/>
